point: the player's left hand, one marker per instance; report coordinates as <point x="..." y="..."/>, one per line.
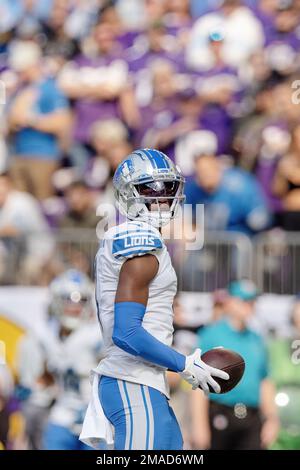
<point x="199" y="374"/>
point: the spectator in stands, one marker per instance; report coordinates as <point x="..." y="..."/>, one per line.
<point x="111" y="144"/>
<point x="265" y="12"/>
<point x="191" y="145"/>
<point x="26" y="17"/>
<point x="80" y="222"/>
<point x="265" y="135"/>
<point x="154" y="10"/>
<point x="245" y="417"/>
<point x="286" y="184"/>
<point x="62" y="32"/>
<point x="74" y="20"/>
<point x="206" y="102"/>
<point x="232" y="197"/>
<point x="97" y="82"/>
<point x="282" y="38"/>
<point x="110" y="139"/>
<point x="38" y="117"/>
<point x="81" y="211"/>
<point x="185" y="340"/>
<point x="178" y="19"/>
<point x="137" y="15"/>
<point x="199" y="8"/>
<point x="242" y="31"/>
<point x="24" y="232"/>
<point x="152" y="44"/>
<point x="159" y="128"/>
<point x="221" y="92"/>
<point x="275" y="142"/>
<point x="247" y="140"/>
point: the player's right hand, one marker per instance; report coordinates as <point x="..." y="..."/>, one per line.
<point x="199" y="374"/>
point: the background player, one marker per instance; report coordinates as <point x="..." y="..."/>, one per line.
<point x="54" y="370"/>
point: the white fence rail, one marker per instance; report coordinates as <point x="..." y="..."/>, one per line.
<point x="271" y="259"/>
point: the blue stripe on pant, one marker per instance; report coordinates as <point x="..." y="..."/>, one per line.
<point x="141" y="416"/>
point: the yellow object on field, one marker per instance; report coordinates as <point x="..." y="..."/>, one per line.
<point x="16" y="426"/>
<point x="10" y="337"/>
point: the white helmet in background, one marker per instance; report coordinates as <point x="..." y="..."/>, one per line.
<point x="72" y="298"/>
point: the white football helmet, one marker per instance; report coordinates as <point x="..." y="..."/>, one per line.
<point x="72" y="296"/>
<point x="148" y="187"/>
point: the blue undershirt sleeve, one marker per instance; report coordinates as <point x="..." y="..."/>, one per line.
<point x="129" y="335"/>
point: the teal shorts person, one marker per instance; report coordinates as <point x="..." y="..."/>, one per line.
<point x="249" y="344"/>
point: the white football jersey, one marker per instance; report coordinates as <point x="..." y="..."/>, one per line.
<point x="120" y="243"/>
<point x="70" y="361"/>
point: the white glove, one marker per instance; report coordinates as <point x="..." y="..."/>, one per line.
<point x="199" y="374"/>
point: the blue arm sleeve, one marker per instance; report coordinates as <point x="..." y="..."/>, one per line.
<point x="129" y="335"/>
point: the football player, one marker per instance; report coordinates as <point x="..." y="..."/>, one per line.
<point x="55" y="367"/>
<point x="135" y="287"/>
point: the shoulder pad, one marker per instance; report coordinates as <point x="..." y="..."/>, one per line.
<point x="136" y="241"/>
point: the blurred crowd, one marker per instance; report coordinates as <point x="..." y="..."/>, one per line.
<point x="213" y="84"/>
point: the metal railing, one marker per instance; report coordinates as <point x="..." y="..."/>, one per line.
<point x="271" y="259"/>
<point x="35" y="258"/>
<point x="223" y="257"/>
<point x="276" y="264"/>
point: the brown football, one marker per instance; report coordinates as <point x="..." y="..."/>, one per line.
<point x="229" y="361"/>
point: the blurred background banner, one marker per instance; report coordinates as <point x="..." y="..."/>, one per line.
<point x="14" y="299"/>
<point x="272" y="311"/>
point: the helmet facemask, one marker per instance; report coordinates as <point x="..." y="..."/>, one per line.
<point x="72" y="310"/>
<point x="71" y="302"/>
<point x="153" y="201"/>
